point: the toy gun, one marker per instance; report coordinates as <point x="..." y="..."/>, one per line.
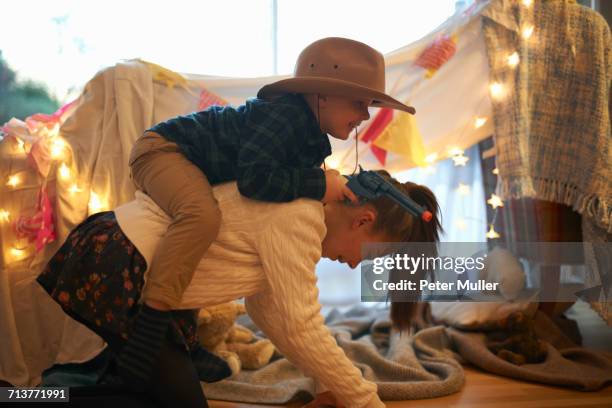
<point x="369" y="185"/>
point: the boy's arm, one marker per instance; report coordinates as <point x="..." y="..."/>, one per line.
<point x="268" y="141"/>
<point x="289" y="311"/>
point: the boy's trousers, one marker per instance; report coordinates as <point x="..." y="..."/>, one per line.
<point x="181" y="189"/>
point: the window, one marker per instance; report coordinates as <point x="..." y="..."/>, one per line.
<point x="63" y="43"/>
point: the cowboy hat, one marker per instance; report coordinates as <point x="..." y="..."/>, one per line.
<point x="338" y="66"/>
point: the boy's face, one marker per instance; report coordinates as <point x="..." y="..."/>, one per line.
<point x="340" y="115"/>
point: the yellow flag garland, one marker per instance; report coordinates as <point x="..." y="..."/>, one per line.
<point x="402" y="137"/>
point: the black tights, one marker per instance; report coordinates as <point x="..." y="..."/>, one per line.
<point x="174" y="381"/>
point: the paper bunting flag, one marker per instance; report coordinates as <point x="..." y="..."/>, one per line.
<point x="39" y="156"/>
<point x="39" y="227"/>
<point x="380" y="121"/>
<point x="437" y="54"/>
<point x="395" y="132"/>
<point x="401" y="136"/>
<point x="50" y="121"/>
<point x="38" y="130"/>
<point x="166" y="76"/>
<point x="208" y="98"/>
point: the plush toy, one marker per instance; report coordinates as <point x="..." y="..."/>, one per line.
<point x="236" y="344"/>
<point x="515" y="340"/>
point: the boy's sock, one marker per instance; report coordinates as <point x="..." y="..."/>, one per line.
<point x="137" y="359"/>
<point x="209" y="367"/>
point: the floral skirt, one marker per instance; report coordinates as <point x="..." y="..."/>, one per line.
<point x="97" y="277"/>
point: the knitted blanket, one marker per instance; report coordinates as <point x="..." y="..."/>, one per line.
<point x="424" y="365"/>
<point x="552" y="125"/>
<point x="404" y="367"/>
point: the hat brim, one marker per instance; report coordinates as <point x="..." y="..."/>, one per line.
<point x="330" y="86"/>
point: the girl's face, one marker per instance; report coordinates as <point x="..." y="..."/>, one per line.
<point x="340" y="115"/>
<point x="347" y="229"/>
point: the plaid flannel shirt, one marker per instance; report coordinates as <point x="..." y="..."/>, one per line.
<point x="273" y="149"/>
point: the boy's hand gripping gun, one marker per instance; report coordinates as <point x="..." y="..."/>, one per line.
<point x="368" y="185"/>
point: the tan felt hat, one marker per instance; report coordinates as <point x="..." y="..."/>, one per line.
<point x="338" y="66"/>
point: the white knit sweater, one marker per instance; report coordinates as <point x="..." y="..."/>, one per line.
<point x="265" y="252"/>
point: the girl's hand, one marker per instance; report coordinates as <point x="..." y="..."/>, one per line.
<point x="336" y="189"/>
<point x="325" y="399"/>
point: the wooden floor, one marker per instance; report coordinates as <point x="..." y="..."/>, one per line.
<point x="483" y="389"/>
<point x="487" y="390"/>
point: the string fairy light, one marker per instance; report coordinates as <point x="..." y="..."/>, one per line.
<point x="74" y="189"/>
<point x="96" y="204"/>
<point x="64" y="172"/>
<point x="463" y="189"/>
<point x="479" y="122"/>
<point x="460" y="160"/>
<point x="13" y="181"/>
<point x="57" y="146"/>
<point x="18" y="253"/>
<point x="20" y="145"/>
<point x="513" y="59"/>
<point x="492" y="234"/>
<point x="431" y="158"/>
<point x="527" y="31"/>
<point x="4" y="215"/>
<point x="495" y="201"/>
<point x="497" y="90"/>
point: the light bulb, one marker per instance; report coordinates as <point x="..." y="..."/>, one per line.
<point x="497" y="90"/>
<point x="495" y="201"/>
<point x="4" y="215"/>
<point x="492" y="234"/>
<point x="20" y="145"/>
<point x="57" y="148"/>
<point x="463" y="189"/>
<point x="513" y="59"/>
<point x="478" y="122"/>
<point x="13" y="180"/>
<point x="74" y="189"/>
<point x="18" y="253"/>
<point x="96" y="204"/>
<point x="527" y="31"/>
<point x="460" y="160"/>
<point x="430" y="158"/>
<point x="64" y="172"/>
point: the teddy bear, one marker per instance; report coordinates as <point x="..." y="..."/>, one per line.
<point x="515" y="340"/>
<point x="236" y="344"/>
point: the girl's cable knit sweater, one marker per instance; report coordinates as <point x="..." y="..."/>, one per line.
<point x="265" y="252"/>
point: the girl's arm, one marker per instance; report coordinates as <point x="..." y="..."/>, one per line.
<point x="289" y="311"/>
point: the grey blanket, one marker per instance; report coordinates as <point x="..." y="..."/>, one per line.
<point x="424" y="365"/>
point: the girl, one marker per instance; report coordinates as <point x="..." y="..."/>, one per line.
<point x="265" y="252"/>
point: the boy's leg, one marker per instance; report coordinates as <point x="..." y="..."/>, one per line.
<point x="180" y="188"/>
<point x="183" y="192"/>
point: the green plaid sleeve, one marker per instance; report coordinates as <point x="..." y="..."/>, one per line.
<point x="270" y="139"/>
